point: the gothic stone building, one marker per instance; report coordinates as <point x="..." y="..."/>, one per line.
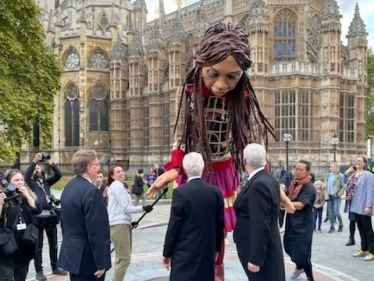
<point x="122" y="75"/>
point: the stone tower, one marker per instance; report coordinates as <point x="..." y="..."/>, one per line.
<point x="357" y="48"/>
<point x="330" y="54"/>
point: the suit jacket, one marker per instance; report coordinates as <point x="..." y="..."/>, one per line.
<point x="256" y="233"/>
<point x="195" y="231"/>
<point x="85" y="246"/>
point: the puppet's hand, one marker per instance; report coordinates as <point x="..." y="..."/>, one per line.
<point x="161" y="181"/>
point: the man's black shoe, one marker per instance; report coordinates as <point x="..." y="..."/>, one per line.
<point x="40" y="276"/>
<point x="59" y="271"/>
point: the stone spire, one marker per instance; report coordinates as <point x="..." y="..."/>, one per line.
<point x="357" y="25"/>
<point x="330" y="17"/>
<point x="258" y="16"/>
<point x="136" y="46"/>
<point x="83" y="13"/>
<point x="177" y="31"/>
<point x="59" y="16"/>
<point x="330" y="9"/>
<point x="119" y="50"/>
<point x="161" y="8"/>
<point x="201" y="23"/>
<point x="50" y="25"/>
<point x="155" y="40"/>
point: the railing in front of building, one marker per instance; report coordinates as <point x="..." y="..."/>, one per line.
<point x="308" y="68"/>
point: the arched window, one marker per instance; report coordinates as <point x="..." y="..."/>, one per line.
<point x="72" y="116"/>
<point x="99" y="110"/>
<point x="285" y="26"/>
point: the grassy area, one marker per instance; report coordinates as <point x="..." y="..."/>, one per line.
<point x="64" y="180"/>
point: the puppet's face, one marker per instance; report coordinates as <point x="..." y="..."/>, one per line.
<point x="222" y="77"/>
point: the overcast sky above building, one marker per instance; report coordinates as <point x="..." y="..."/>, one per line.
<point x="347" y="9"/>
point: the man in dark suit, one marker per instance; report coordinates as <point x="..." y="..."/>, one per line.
<point x="256" y="233"/>
<point x="85" y="248"/>
<point x="195" y="230"/>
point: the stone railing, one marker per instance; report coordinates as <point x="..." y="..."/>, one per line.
<point x="308" y="68"/>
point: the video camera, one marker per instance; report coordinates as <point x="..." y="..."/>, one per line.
<point x="8" y="188"/>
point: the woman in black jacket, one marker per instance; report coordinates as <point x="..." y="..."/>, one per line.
<point x="18" y="204"/>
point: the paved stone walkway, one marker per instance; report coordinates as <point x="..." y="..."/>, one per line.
<point x="332" y="260"/>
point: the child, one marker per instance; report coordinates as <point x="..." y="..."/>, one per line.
<point x="318" y="204"/>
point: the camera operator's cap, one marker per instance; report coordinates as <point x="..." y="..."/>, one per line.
<point x="10" y="172"/>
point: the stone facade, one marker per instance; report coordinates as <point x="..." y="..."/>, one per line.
<point x="122" y="75"/>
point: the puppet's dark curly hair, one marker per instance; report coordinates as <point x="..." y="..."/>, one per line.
<point x="247" y="122"/>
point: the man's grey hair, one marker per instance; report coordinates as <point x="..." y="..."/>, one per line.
<point x="255" y="155"/>
<point x="81" y="159"/>
<point x="193" y="164"/>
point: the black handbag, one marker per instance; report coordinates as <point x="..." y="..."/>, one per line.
<point x="7" y="239"/>
<point x="11" y="245"/>
<point x="4" y="236"/>
<point x="30" y="236"/>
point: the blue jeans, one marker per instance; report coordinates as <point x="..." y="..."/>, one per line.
<point x="318" y="215"/>
<point x="334" y="207"/>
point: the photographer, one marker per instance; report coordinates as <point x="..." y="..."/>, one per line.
<point x="48" y="220"/>
<point x="18" y="204"/>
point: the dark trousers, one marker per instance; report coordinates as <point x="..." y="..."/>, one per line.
<point x="75" y="277"/>
<point x="352" y="229"/>
<point x="365" y="228"/>
<point x="51" y="231"/>
<point x="307" y="264"/>
<point x="307" y="269"/>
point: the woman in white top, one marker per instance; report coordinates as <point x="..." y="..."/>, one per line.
<point x="120" y="209"/>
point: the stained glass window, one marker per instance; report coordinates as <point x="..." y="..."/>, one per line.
<point x="72" y="116"/>
<point x="284" y="113"/>
<point x="347" y="118"/>
<point x="285" y="24"/>
<point x="292" y="114"/>
<point x="99" y="110"/>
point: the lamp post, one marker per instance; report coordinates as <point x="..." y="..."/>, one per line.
<point x="335" y="142"/>
<point x="287" y="137"/>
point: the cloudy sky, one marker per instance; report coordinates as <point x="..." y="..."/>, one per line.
<point x="347" y="9"/>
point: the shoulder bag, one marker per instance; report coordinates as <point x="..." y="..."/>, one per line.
<point x="8" y="240"/>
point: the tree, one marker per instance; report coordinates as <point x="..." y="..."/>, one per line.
<point x="29" y="77"/>
<point x="370" y="95"/>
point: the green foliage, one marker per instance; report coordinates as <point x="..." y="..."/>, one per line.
<point x="29" y="77"/>
<point x="370" y="95"/>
